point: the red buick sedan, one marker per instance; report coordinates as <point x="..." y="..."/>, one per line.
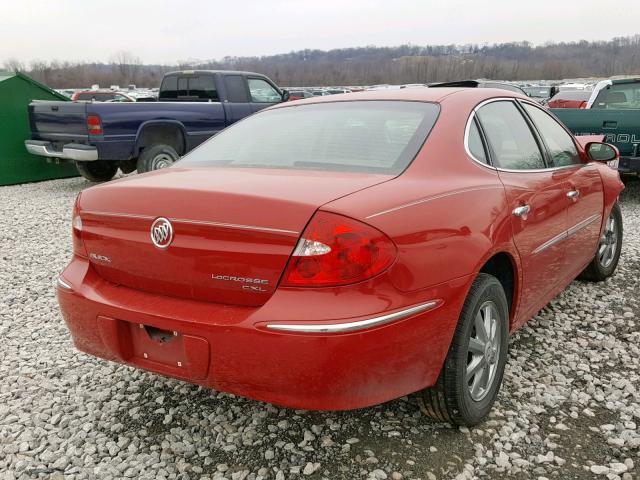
<point x="390" y="249"/>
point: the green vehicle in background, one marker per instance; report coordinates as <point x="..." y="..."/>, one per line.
<point x="613" y="110"/>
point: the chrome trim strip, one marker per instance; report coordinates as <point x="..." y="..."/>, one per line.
<point x="64" y="285"/>
<point x="202" y="132"/>
<point x="353" y="326"/>
<point x="499" y="169"/>
<point x="234" y="225"/>
<point x="435" y="197"/>
<point x="123" y="215"/>
<point x="549" y="243"/>
<point x="567" y="233"/>
<point x="583" y="224"/>
<point x="193" y="222"/>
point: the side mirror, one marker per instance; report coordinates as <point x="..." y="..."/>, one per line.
<point x="601" y="152"/>
<point x="285" y="95"/>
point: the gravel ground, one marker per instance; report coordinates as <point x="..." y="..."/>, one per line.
<point x="569" y="407"/>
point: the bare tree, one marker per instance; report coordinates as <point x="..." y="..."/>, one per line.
<point x="13" y="65"/>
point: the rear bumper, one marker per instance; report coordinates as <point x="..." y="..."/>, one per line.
<point x="76" y="152"/>
<point x="629" y="165"/>
<point x="231" y="349"/>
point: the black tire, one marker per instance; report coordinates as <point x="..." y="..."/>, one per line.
<point x="601" y="266"/>
<point x="98" y="170"/>
<point x="451" y="398"/>
<point x="156" y="157"/>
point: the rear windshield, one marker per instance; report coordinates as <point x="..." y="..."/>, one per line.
<point x="189" y="88"/>
<point x="365" y="136"/>
<point x="619" y="96"/>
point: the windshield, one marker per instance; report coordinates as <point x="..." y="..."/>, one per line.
<point x="360" y="136"/>
<point x="619" y="96"/>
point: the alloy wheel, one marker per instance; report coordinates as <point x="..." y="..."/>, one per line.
<point x="483" y="351"/>
<point x="608" y="242"/>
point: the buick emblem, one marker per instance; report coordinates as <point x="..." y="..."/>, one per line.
<point x="161" y="233"/>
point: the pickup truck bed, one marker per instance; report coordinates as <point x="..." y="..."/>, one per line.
<point x="102" y="137"/>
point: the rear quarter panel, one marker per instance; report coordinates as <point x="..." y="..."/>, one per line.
<point x="446" y="213"/>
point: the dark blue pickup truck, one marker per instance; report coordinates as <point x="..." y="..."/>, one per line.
<point x="101" y="137"/>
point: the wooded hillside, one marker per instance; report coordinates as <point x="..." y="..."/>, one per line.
<point x="371" y="65"/>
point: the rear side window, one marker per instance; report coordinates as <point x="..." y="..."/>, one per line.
<point x="509" y="136"/>
<point x="236" y="89"/>
<point x="620" y="96"/>
<point x="365" y="136"/>
<point x="476" y="147"/>
<point x="562" y="150"/>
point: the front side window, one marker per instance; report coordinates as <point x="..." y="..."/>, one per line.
<point x="509" y="136"/>
<point x="562" y="150"/>
<point x="367" y="136"/>
<point x="263" y="92"/>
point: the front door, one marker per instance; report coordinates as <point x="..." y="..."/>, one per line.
<point x="584" y="195"/>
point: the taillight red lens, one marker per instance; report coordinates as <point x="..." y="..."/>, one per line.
<point x="336" y="250"/>
<point x="76" y="230"/>
<point x="94" y="125"/>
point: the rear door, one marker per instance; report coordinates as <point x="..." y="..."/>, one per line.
<point x="237" y="103"/>
<point x="536" y="196"/>
<point x="585" y="196"/>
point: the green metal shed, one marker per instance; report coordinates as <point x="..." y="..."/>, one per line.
<point x="16" y="164"/>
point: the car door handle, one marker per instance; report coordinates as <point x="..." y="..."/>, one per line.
<point x="573" y="195"/>
<point x="521" y="211"/>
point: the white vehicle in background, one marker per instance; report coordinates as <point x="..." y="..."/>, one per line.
<point x="575" y="86"/>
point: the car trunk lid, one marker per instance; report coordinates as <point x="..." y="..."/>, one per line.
<point x="233" y="230"/>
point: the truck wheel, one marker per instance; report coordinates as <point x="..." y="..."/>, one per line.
<point x="156" y="157"/>
<point x="98" y="170"/>
<point x="605" y="260"/>
<point x="472" y="372"/>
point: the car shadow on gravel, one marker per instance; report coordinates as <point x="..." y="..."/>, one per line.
<point x="205" y="428"/>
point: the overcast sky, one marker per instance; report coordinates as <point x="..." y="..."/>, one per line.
<point x="163" y="31"/>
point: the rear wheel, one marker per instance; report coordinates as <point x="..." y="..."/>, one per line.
<point x="605" y="260"/>
<point x="472" y="372"/>
<point x="98" y="170"/>
<point x="156" y="157"/>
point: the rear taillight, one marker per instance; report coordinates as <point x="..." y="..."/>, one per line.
<point x="76" y="229"/>
<point x="336" y="250"/>
<point x="94" y="125"/>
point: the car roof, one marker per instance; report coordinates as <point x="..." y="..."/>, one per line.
<point x="433" y="95"/>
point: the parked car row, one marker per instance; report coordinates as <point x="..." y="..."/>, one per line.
<point x="101" y="138"/>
